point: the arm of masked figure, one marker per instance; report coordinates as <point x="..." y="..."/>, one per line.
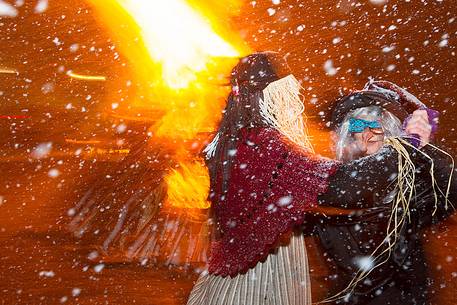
<point x="363" y="183"/>
<point x="437" y="186"/>
<point x="360" y="184"/>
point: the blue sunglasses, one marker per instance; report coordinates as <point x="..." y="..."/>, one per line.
<point x="359" y="125"/>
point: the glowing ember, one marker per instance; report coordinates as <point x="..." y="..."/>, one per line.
<point x="8" y="71"/>
<point x="178" y="37"/>
<point x="86" y="77"/>
<point x="82" y="141"/>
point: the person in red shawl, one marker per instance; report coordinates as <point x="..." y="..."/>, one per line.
<point x="264" y="178"/>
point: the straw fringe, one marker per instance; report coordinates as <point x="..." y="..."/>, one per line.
<point x="283" y="109"/>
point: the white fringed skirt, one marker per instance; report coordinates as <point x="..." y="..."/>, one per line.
<point x="283" y="279"/>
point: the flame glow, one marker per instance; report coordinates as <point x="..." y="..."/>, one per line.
<point x="180" y="65"/>
<point x="178" y="37"/>
<point x="188" y="187"/>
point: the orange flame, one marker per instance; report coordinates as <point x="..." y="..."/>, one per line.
<point x="178" y="37"/>
<point x="182" y="63"/>
<point x="188" y="186"/>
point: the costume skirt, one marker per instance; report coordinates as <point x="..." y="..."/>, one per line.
<point x="283" y="279"/>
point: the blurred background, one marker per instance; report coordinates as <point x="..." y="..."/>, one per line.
<point x="84" y="82"/>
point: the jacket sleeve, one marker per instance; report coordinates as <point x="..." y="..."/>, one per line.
<point x="355" y="183"/>
<point x="362" y="183"/>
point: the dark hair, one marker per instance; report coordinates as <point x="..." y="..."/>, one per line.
<point x="248" y="78"/>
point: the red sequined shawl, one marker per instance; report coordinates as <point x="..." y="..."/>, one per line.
<point x="273" y="183"/>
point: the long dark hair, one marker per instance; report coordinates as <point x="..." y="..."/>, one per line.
<point x="248" y="78"/>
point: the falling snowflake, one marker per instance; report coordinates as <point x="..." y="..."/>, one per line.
<point x="271" y="11"/>
<point x="42" y="150"/>
<point x="41" y="6"/>
<point x="329" y="69"/>
<point x="53" y="173"/>
<point x="98" y="268"/>
<point x="7" y="10"/>
<point x="285" y="201"/>
<point x="365" y="263"/>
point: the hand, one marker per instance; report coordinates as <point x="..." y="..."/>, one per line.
<point x="419" y="125"/>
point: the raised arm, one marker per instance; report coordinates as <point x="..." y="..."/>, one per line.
<point x="357" y="184"/>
